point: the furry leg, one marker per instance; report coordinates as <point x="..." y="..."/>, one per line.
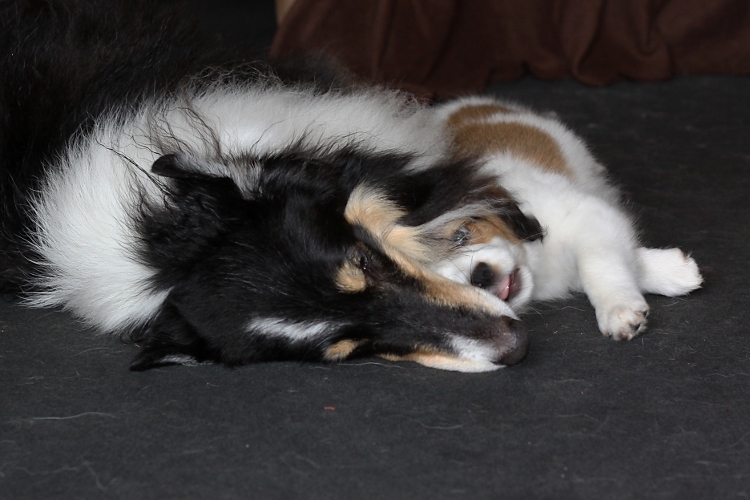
<point x="605" y="253"/>
<point x="610" y="284"/>
<point x="667" y="272"/>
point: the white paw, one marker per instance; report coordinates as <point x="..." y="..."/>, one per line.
<point x="668" y="272"/>
<point x="623" y="321"/>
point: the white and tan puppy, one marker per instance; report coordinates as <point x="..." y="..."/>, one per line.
<point x="589" y="241"/>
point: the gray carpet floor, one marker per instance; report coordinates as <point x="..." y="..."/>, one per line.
<point x="664" y="416"/>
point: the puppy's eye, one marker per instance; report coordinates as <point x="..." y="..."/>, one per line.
<point x="461" y="237"/>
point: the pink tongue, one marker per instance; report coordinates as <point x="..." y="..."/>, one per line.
<point x="503" y="290"/>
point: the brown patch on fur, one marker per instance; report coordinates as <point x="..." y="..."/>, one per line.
<point x="341" y="349"/>
<point x="484" y="230"/>
<point x="474" y="113"/>
<point x="526" y="141"/>
<point x="350" y="278"/>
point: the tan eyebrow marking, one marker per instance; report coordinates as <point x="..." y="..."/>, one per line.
<point x="350" y="278"/>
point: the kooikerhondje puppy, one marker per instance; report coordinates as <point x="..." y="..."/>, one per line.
<point x="589" y="242"/>
<point x="220" y="211"/>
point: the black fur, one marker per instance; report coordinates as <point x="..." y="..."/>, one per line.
<point x="226" y="257"/>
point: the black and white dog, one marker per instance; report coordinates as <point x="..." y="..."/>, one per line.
<point x="215" y="210"/>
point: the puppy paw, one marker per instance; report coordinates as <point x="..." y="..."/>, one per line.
<point x="623" y="321"/>
<point x="668" y="272"/>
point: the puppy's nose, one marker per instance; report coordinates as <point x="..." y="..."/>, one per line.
<point x="482" y="275"/>
<point x="515" y="344"/>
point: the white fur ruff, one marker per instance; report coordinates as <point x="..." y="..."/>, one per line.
<point x="86" y="207"/>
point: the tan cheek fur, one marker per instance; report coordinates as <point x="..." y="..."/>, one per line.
<point x="419" y="354"/>
<point x="431" y="358"/>
<point x="372" y="210"/>
<point x="341" y="350"/>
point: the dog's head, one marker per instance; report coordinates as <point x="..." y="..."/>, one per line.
<point x="489" y="253"/>
<point x="324" y="258"/>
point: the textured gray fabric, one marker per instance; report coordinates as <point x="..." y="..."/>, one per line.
<point x="664" y="416"/>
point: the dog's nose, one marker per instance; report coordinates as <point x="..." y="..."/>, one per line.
<point x="514" y="344"/>
<point x="482" y="275"/>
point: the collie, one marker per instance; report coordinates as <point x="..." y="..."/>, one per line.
<point x="218" y="211"/>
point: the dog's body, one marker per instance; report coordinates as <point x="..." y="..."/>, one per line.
<point x="248" y="213"/>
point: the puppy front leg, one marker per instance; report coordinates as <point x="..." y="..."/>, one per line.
<point x="605" y="253"/>
<point x="609" y="280"/>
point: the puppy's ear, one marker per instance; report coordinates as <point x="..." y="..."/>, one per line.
<point x="170" y="340"/>
<point x="525" y="227"/>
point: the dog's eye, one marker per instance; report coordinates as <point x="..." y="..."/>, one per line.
<point x="363" y="260"/>
<point x="461" y="237"/>
<point x="366" y="262"/>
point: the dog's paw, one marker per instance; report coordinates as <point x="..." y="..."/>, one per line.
<point x="623" y="321"/>
<point x="668" y="272"/>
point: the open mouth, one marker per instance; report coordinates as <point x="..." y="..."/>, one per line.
<point x="509" y="286"/>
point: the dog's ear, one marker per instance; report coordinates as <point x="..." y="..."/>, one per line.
<point x="200" y="209"/>
<point x="170" y="340"/>
<point x="525" y="227"/>
<point x="194" y="189"/>
<point x="186" y="173"/>
<point x="170" y="165"/>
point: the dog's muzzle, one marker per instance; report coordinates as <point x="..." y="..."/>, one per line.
<point x="512" y="343"/>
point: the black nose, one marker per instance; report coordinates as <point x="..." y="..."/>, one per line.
<point x="515" y="345"/>
<point x="482" y="275"/>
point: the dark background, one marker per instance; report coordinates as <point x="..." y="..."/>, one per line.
<point x="664" y="416"/>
